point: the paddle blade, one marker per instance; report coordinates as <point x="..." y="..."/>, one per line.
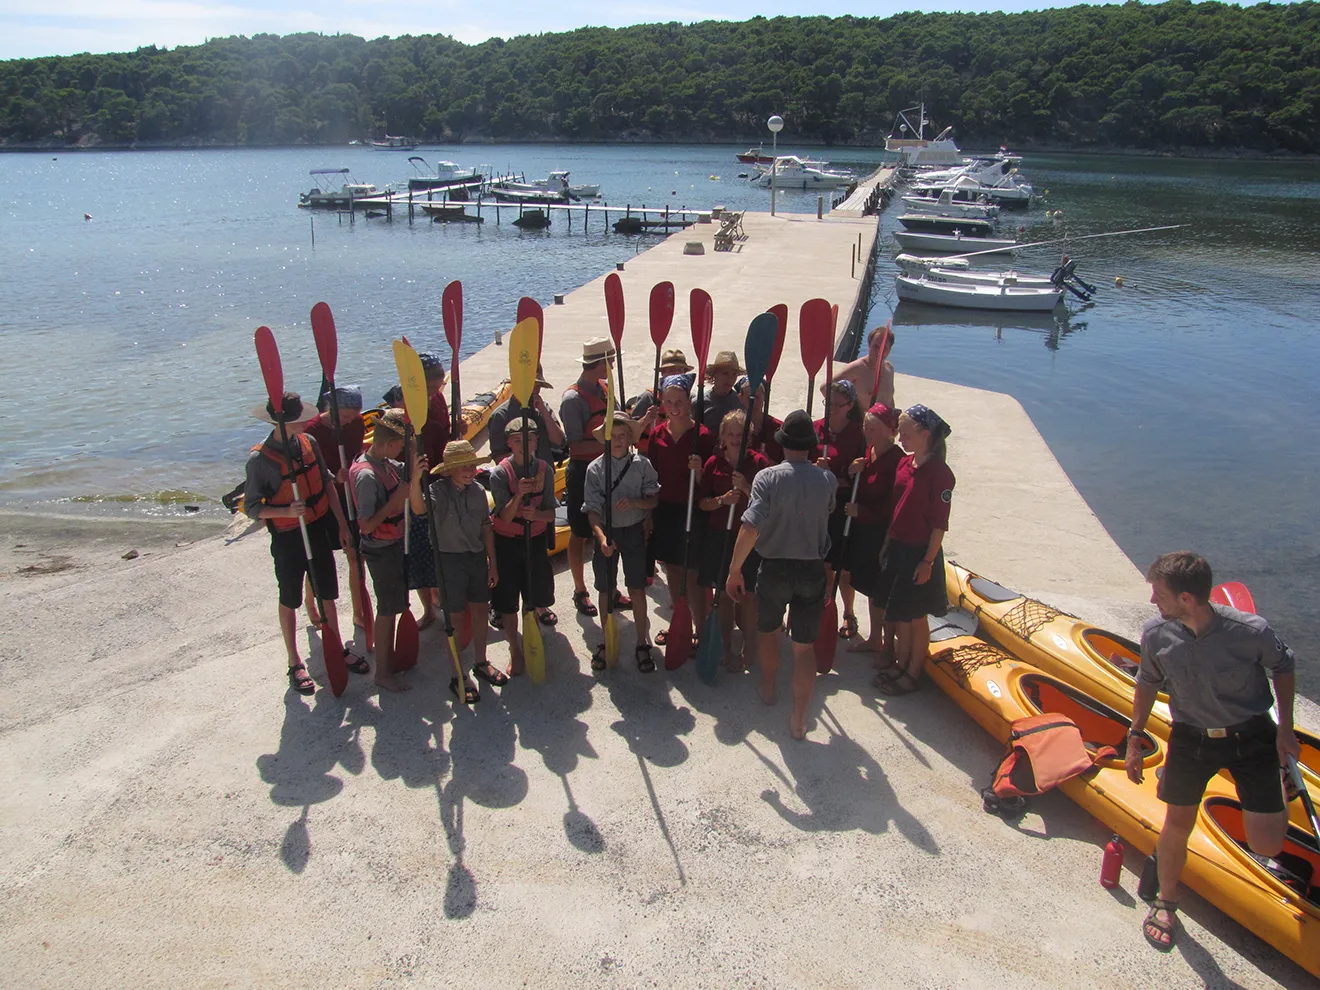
<point x="530" y="309"/>
<point x="271" y="370"/>
<point x="413" y="381"/>
<point x="533" y="647"/>
<point x="523" y="345"/>
<point x="678" y="643"/>
<point x="780" y="313"/>
<point x="662" y="311"/>
<point x="327" y="343"/>
<point x="614" y="306"/>
<point x="827" y="638"/>
<point x="1234" y="594"/>
<point x="461" y="694"/>
<point x="886" y="342"/>
<point x="711" y="648"/>
<point x="701" y="311"/>
<point x="814" y="334"/>
<point x="405" y="642"/>
<point x="611" y="641"/>
<point x="759" y="348"/>
<point x="332" y="649"/>
<point x="451" y="309"/>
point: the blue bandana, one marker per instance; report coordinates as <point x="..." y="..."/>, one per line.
<point x="928" y="419"/>
<point x="683" y="382"/>
<point x="394" y="396"/>
<point x="742" y="383"/>
<point x="848" y="389"/>
<point x="431" y="363"/>
<point x="348" y="396"/>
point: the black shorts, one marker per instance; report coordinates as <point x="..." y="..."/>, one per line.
<point x="631" y="544"/>
<point x="290" y="556"/>
<point x="511" y="559"/>
<point x="467" y="580"/>
<point x="903" y="599"/>
<point x="388" y="580"/>
<point x="838" y="517"/>
<point x="862" y="558"/>
<point x="799" y="586"/>
<point x="668" y="527"/>
<point x="1250" y="754"/>
<point x="713" y="568"/>
<point x="575" y="490"/>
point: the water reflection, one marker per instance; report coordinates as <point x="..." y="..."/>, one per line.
<point x="1053" y="326"/>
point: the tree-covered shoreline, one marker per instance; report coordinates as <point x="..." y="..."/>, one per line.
<point x="1207" y="78"/>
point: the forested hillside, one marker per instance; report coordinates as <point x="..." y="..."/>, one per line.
<point x="1177" y="74"/>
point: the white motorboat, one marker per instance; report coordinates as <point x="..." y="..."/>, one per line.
<point x="952" y="243"/>
<point x="916" y="151"/>
<point x="350" y="192"/>
<point x="555" y="186"/>
<point x="445" y="176"/>
<point x="959" y="271"/>
<point x="1005" y="188"/>
<point x="946" y="206"/>
<point x="983" y="168"/>
<point x="393" y="142"/>
<point x="792" y="172"/>
<point x="933" y="223"/>
<point x="1004" y="296"/>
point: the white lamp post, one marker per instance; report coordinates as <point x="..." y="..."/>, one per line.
<point x="776" y="124"/>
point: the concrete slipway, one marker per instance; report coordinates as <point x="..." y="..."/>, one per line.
<point x="173" y="817"/>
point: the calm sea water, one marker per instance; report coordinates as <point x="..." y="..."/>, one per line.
<point x="1181" y="404"/>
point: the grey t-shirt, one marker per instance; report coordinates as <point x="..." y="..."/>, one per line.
<point x="498" y="440"/>
<point x="370" y="492"/>
<point x="575" y="414"/>
<point x="461" y="516"/>
<point x="640" y="481"/>
<point x="713" y="409"/>
<point x="1219" y="679"/>
<point x="790" y="508"/>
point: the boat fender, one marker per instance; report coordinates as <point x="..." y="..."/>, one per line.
<point x="1043" y="752"/>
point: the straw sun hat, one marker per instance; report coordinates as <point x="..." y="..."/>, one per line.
<point x="621" y="421"/>
<point x="459" y="453"/>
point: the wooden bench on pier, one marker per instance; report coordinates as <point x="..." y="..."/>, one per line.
<point x="731" y="229"/>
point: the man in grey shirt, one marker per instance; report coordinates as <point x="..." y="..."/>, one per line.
<point x="787" y="521"/>
<point x="549" y="432"/>
<point x="1213" y="661"/>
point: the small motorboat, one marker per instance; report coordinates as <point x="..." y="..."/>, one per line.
<point x="1004" y="296"/>
<point x="792" y="172"/>
<point x="393" y="142"/>
<point x="350" y="194"/>
<point x="755" y="156"/>
<point x="555" y="185"/>
<point x="946" y="206"/>
<point x="1008" y="189"/>
<point x="446" y="175"/>
<point x="932" y="223"/>
<point x="910" y="240"/>
<point x="959" y="271"/>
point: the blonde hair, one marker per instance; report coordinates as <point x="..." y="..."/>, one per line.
<point x="736" y="417"/>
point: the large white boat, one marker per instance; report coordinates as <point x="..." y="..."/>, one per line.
<point x="792" y="172"/>
<point x="1004" y="296"/>
<point x="947" y="205"/>
<point x="983" y="168"/>
<point x="345" y="197"/>
<point x="918" y="150"/>
<point x="555" y="186"/>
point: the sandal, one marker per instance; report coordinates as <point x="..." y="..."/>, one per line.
<point x="620" y="601"/>
<point x="849" y="628"/>
<point x="301" y="682"/>
<point x="491" y="674"/>
<point x="471" y="694"/>
<point x="547" y="617"/>
<point x="645" y="662"/>
<point x="355" y="663"/>
<point x="1157" y="934"/>
<point x="582" y="601"/>
<point x="598" y="658"/>
<point x="901" y="683"/>
<point x="662" y="637"/>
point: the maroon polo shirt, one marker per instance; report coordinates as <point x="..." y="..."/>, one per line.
<point x="717" y="478"/>
<point x="845" y="447"/>
<point x="670" y="458"/>
<point x="875" y="490"/>
<point x="764" y="440"/>
<point x="321" y="431"/>
<point x="438" y="431"/>
<point x="921" y="500"/>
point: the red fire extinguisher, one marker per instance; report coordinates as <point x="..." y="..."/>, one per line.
<point x="1112" y="867"/>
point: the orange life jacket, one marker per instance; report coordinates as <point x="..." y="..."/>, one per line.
<point x="515" y="528"/>
<point x="311" y="486"/>
<point x="596" y="405"/>
<point x="391" y="527"/>
<point x="1043" y="752"/>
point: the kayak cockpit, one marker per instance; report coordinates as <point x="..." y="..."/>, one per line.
<point x="1100" y="725"/>
<point x="1297" y="867"/>
<point x="1121" y="654"/>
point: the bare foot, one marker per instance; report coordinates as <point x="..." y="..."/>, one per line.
<point x="863" y="646"/>
<point x="427" y="619"/>
<point x="797" y="728"/>
<point x="733" y="664"/>
<point x="389" y="682"/>
<point x="770" y="696"/>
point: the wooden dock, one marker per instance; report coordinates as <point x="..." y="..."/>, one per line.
<point x="870" y="195"/>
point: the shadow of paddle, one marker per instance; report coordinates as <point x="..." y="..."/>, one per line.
<point x="296" y="849"/>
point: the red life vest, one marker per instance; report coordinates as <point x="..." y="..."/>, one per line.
<point x="391" y="527"/>
<point x="311" y="487"/>
<point x="596" y="405"/>
<point x="515" y="528"/>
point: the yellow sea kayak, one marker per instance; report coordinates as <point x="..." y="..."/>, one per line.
<point x="996" y="688"/>
<point x="1102" y="663"/>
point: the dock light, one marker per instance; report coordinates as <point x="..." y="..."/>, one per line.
<point x="776" y="124"/>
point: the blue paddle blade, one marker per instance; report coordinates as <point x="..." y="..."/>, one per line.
<point x="759" y="348"/>
<point x="711" y="647"/>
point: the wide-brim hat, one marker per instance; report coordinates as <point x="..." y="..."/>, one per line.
<point x="797" y="432"/>
<point x="459" y="453"/>
<point x="393" y="422"/>
<point x="597" y="349"/>
<point x="674" y="358"/>
<point x="540" y="378"/>
<point x="299" y="412"/>
<point x="724" y="359"/>
<point x="621" y="421"/>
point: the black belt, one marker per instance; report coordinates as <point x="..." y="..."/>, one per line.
<point x="1255" y="723"/>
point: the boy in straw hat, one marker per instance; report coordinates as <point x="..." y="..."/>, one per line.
<point x="721" y="399"/>
<point x="524" y="497"/>
<point x="351" y="430"/>
<point x="581" y="410"/>
<point x="379" y="494"/>
<point x="466" y="550"/>
<point x="635" y="490"/>
<point x="272" y="471"/>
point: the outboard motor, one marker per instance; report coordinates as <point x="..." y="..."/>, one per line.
<point x="1066" y="277"/>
